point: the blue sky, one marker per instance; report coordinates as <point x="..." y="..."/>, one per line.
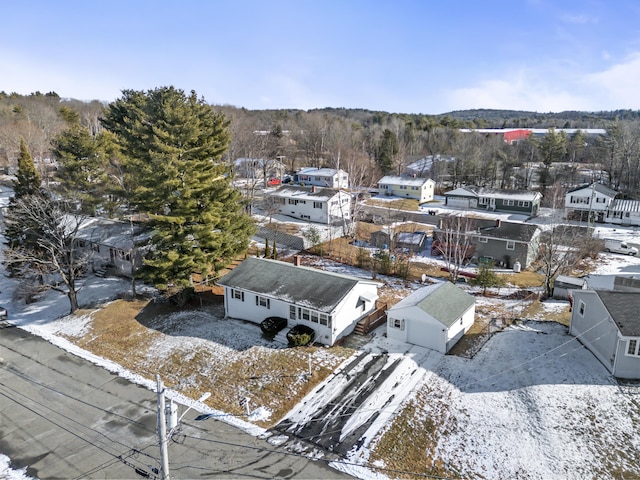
<point x="407" y="56"/>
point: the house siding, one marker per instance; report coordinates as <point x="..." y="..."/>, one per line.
<point x="601" y="336"/>
<point x="626" y="366"/>
<point x="344" y="316"/>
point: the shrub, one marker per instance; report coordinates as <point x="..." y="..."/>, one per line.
<point x="270" y="326"/>
<point x="300" y="335"/>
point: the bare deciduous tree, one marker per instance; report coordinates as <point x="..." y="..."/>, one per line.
<point x="48" y="252"/>
<point x="453" y="240"/>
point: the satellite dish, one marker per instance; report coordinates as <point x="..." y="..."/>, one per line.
<point x="424" y="277"/>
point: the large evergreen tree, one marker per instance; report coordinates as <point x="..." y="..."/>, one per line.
<point x="27" y="179"/>
<point x="173" y="144"/>
<point x="387" y="151"/>
<point x="83" y="164"/>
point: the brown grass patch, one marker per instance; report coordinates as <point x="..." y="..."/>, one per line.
<point x="274" y="378"/>
<point x="399" y="204"/>
<point x="409" y="444"/>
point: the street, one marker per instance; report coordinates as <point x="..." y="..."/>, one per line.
<point x="64" y="417"/>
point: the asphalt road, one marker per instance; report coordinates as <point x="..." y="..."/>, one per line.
<point x="64" y="417"/>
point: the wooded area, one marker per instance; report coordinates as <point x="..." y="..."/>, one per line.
<point x="369" y="144"/>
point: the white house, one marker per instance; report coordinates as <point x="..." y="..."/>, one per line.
<point x="434" y="317"/>
<point x="420" y="189"/>
<point x="593" y="199"/>
<point x="322" y="177"/>
<point x="318" y="205"/>
<point x="330" y="303"/>
<point x="256" y="168"/>
<point x="624" y="212"/>
<point x="607" y="323"/>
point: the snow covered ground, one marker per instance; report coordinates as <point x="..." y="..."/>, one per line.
<point x="533" y="403"/>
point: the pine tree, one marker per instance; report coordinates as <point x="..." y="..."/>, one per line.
<point x="173" y="146"/>
<point x="387" y="151"/>
<point x="267" y="249"/>
<point x="27" y="178"/>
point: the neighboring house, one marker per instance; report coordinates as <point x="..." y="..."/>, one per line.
<point x="422" y="166"/>
<point x="435" y="317"/>
<point x="608" y="324"/>
<point x="255" y="168"/>
<point x="330" y="303"/>
<point x="524" y="202"/>
<point x="594" y="199"/>
<point x="420" y="189"/>
<point x="564" y="283"/>
<point x="322" y="177"/>
<point x="507" y="242"/>
<point x="318" y="205"/>
<point x="411" y="241"/>
<point x="624" y="212"/>
<point x="111" y="244"/>
<point x="503" y="243"/>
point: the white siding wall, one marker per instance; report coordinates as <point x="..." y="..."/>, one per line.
<point x="419" y="329"/>
<point x="347" y="313"/>
<point x="581" y="200"/>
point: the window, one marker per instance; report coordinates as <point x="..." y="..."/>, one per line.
<point x="579" y="199"/>
<point x="305" y="314"/>
<point x="292" y="312"/>
<point x="293" y="201"/>
<point x="511" y="245"/>
<point x="95" y="247"/>
<point x="262" y="301"/>
<point x="403" y="187"/>
<point x="508" y="203"/>
<point x="414" y="188"/>
<point x="314" y="317"/>
<point x="483" y="240"/>
<point x="317" y="204"/>
<point x="324" y="319"/>
<point x="583" y="307"/>
<point x="523" y="203"/>
<point x="396" y="323"/>
<point x="483" y="201"/>
<point x="237" y="294"/>
<point x="633" y="347"/>
<point x="600" y="200"/>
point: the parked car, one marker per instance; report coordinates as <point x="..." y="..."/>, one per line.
<point x="618" y="246"/>
<point x="273" y="182"/>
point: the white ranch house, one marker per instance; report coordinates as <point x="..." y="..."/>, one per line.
<point x="318" y="205"/>
<point x="435" y="317"/>
<point x="420" y="189"/>
<point x="322" y="177"/>
<point x="624" y="212"/>
<point x="607" y="323"/>
<point x="330" y="303"/>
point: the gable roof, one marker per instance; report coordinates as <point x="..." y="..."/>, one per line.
<point x="598" y="187"/>
<point x="319" y="172"/>
<point x="305" y="286"/>
<point x="518" y="232"/>
<point x="399" y="180"/>
<point x="443" y="301"/>
<point x="623" y="308"/>
<point x="305" y="193"/>
<point x="477" y="192"/>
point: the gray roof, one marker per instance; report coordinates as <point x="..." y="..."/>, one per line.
<point x="443" y="301"/>
<point x="305" y="286"/>
<point x="517" y="232"/>
<point x="400" y="180"/>
<point x="305" y="193"/>
<point x="623" y="308"/>
<point x="476" y="192"/>
<point x="598" y="187"/>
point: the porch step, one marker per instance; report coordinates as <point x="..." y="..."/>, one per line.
<point x="281" y="337"/>
<point x="100" y="272"/>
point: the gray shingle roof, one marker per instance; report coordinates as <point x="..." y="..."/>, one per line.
<point x="443" y="301"/>
<point x="519" y="232"/>
<point x="304" y="286"/>
<point x="598" y="187"/>
<point x="623" y="308"/>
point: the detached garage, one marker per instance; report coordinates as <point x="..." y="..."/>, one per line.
<point x="434" y="317"/>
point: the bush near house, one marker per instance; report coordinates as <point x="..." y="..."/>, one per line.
<point x="300" y="336"/>
<point x="270" y="326"/>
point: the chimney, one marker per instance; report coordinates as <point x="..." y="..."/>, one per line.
<point x="498" y="223"/>
<point x="297" y="261"/>
<point x="313" y="189"/>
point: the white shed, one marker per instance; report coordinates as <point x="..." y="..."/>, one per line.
<point x="434" y="317"/>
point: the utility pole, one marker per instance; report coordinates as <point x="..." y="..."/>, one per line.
<point x="162" y="431"/>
